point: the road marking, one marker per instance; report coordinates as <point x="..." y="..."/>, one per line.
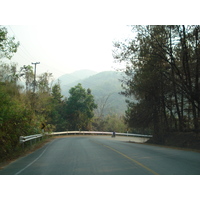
<point x="34" y="160"/>
<point x="30" y="163"/>
<point x="135" y="161"/>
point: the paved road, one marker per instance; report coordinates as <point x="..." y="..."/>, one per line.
<point x="103" y="155"/>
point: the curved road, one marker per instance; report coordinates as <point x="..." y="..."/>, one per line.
<point x="103" y="155"/>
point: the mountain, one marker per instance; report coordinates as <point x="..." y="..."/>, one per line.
<point x="105" y="88"/>
<point x="75" y="76"/>
<point x="85" y="73"/>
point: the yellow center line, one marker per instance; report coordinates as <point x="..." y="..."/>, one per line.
<point x="133" y="160"/>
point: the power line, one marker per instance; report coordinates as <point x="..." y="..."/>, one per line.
<point x="24" y="53"/>
<point x="21" y="45"/>
<point x="57" y="70"/>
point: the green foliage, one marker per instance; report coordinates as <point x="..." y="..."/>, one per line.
<point x="57" y="115"/>
<point x="110" y="123"/>
<point x="16" y="119"/>
<point x="80" y="106"/>
<point x="106" y="88"/>
<point x="7" y="44"/>
<point x="163" y="73"/>
<point x="21" y="113"/>
<point x="56" y="93"/>
<point x="43" y="83"/>
<point x="26" y="72"/>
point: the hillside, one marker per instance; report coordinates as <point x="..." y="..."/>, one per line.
<point x="105" y="87"/>
<point x="75" y="76"/>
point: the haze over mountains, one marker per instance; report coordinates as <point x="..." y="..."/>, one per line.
<point x="75" y="76"/>
<point x="105" y="87"/>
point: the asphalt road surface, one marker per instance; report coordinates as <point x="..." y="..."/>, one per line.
<point x="103" y="155"/>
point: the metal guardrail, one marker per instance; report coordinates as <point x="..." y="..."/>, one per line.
<point x="98" y="133"/>
<point x="23" y="139"/>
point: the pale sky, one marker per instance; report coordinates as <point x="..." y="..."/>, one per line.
<point x="66" y="48"/>
<point x="65" y="36"/>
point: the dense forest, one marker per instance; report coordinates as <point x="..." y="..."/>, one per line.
<point x="163" y="74"/>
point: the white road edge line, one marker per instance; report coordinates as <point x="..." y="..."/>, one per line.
<point x="32" y="161"/>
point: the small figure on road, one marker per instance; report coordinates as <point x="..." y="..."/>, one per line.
<point x="113" y="135"/>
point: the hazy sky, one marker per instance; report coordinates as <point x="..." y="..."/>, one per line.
<point x="66" y="48"/>
<point x="65" y="36"/>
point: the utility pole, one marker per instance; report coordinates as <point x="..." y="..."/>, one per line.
<point x="35" y="75"/>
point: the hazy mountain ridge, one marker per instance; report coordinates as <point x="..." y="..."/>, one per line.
<point x="105" y="87"/>
<point x="75" y="76"/>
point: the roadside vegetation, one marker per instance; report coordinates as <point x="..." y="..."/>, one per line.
<point x="163" y="75"/>
<point x="27" y="106"/>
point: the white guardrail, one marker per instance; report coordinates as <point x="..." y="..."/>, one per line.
<point x="23" y="139"/>
<point x="98" y="133"/>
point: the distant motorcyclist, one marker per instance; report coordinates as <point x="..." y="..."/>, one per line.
<point x="113" y="135"/>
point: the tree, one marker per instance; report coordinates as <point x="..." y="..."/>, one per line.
<point x="56" y="93"/>
<point x="80" y="106"/>
<point x="27" y="73"/>
<point x="7" y="44"/>
<point x="43" y="83"/>
<point x="58" y="112"/>
<point x="16" y="117"/>
<point x="163" y="74"/>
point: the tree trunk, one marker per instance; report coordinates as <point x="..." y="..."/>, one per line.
<point x="176" y="102"/>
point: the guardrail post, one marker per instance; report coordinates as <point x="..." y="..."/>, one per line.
<point x="21" y="139"/>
